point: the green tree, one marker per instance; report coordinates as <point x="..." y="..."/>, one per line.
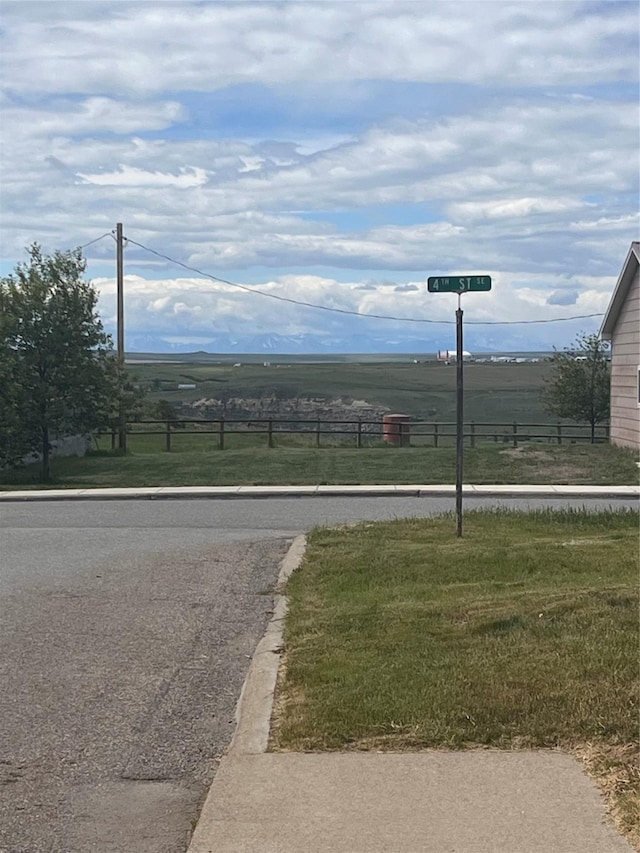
<point x="13" y="442"/>
<point x="164" y="410"/>
<point x="579" y="386"/>
<point x="62" y="375"/>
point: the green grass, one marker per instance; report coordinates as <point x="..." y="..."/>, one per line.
<point x="146" y="465"/>
<point x="522" y="634"/>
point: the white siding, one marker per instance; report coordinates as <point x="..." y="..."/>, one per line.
<point x="625" y="360"/>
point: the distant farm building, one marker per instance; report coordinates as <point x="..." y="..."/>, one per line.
<point x="621" y="326"/>
<point x="447" y="355"/>
<point x="186" y="387"/>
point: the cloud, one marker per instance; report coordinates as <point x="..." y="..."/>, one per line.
<point x="60" y="47"/>
<point x="215" y="308"/>
<point x="237" y="217"/>
<point x="70" y="117"/>
<point x="514" y="207"/>
<point x="563" y="297"/>
<point x="328" y="151"/>
<point x="130" y="176"/>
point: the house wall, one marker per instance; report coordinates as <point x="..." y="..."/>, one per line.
<point x="625" y="361"/>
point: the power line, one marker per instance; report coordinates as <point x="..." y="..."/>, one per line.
<point x="280" y="298"/>
<point x="305" y="304"/>
<point x="97" y="240"/>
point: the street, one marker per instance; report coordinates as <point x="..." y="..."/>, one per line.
<point x="126" y="631"/>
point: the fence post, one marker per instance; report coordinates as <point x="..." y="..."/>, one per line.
<point x="359" y="437"/>
<point x="318" y="433"/>
<point x="221" y="434"/>
<point x="167" y="439"/>
<point x="113" y="438"/>
<point x="270" y="438"/>
<point x="515" y="434"/>
<point x="435" y="435"/>
<point x="473" y="433"/>
<point x="559" y="428"/>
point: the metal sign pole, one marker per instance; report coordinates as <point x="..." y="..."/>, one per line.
<point x="459" y="417"/>
<point x="459" y="284"/>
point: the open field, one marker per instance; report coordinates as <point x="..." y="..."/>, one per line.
<point x="524" y="634"/>
<point x="244" y="463"/>
<point x="493" y="392"/>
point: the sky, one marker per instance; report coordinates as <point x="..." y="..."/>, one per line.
<point x="333" y="153"/>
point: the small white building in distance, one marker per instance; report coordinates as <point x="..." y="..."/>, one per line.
<point x="621" y="326"/>
<point x="448" y="355"/>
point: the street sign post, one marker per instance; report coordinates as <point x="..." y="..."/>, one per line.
<point x="459" y="417"/>
<point x="459" y="284"/>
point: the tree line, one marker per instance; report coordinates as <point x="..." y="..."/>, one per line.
<point x="59" y="374"/>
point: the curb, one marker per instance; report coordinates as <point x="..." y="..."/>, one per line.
<point x="257" y="492"/>
<point x="253" y="711"/>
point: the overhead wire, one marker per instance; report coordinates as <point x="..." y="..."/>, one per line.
<point x="347" y="311"/>
<point x="97" y="240"/>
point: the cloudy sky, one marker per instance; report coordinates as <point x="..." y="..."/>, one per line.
<point x="335" y="153"/>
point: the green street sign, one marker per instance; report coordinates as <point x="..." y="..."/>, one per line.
<point x="458" y="283"/>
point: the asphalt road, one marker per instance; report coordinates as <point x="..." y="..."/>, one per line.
<point x="126" y="630"/>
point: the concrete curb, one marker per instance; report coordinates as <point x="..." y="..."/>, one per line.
<point x="256" y="492"/>
<point x="253" y="711"/>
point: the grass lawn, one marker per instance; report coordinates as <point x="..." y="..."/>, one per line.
<point x="246" y="464"/>
<point x="523" y="634"/>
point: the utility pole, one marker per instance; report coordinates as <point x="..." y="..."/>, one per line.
<point x="122" y="426"/>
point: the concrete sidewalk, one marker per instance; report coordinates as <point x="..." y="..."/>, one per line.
<point x="431" y="802"/>
<point x="478" y="801"/>
<point x="230" y="492"/>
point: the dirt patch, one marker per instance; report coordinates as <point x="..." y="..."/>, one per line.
<point x="526" y="452"/>
<point x="547" y="465"/>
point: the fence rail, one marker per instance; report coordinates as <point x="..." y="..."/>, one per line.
<point x="363" y="431"/>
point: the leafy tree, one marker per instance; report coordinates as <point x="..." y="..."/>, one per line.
<point x="164" y="410"/>
<point x="127" y="396"/>
<point x="13" y="442"/>
<point x="62" y="375"/>
<point x="578" y="389"/>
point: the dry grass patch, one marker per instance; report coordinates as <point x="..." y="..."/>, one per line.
<point x="548" y="465"/>
<point x="616" y="769"/>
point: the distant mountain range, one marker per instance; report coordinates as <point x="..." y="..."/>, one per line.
<point x="272" y="344"/>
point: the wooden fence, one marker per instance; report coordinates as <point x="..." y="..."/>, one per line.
<point x="363" y="431"/>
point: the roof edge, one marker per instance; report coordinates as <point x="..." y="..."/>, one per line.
<point x="629" y="267"/>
